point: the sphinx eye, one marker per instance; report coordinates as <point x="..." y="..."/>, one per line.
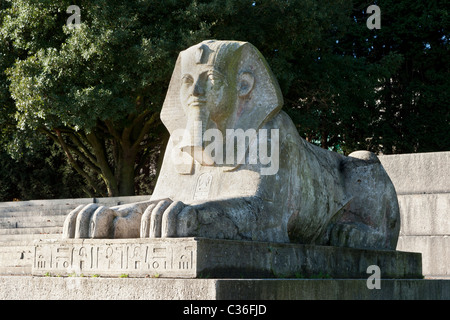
<point x="214" y="78"/>
<point x="187" y="79"/>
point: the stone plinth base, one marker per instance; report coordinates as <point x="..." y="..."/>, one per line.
<point x="208" y="258"/>
<point x="83" y="288"/>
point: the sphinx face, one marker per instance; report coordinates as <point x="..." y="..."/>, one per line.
<point x="206" y="98"/>
<point x="218" y="85"/>
<point x="204" y="92"/>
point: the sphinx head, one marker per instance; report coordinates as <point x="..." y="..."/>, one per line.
<point x="218" y="85"/>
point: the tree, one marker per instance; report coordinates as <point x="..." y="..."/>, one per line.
<point x="7" y="108"/>
<point x="96" y="90"/>
<point x="43" y="174"/>
<point x="411" y="113"/>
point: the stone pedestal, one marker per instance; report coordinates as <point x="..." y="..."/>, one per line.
<point x="212" y="258"/>
<point x="239" y="290"/>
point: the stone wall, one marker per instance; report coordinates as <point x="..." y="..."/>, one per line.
<point x="422" y="182"/>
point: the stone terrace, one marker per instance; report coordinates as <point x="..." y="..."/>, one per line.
<point x="23" y="222"/>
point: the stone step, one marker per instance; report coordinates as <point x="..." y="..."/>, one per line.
<point x="435" y="253"/>
<point x="418" y="173"/>
<point x="36" y="230"/>
<point x="15" y="271"/>
<point x="44" y="203"/>
<point x="16" y="243"/>
<point x="29" y="237"/>
<point x="16" y="256"/>
<point x="32" y="221"/>
<point x="61" y="203"/>
<point x="98" y="288"/>
<point x="33" y="212"/>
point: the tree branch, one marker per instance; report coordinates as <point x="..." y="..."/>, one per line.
<point x="87" y="159"/>
<point x="76" y="140"/>
<point x="112" y="130"/>
<point x="144" y="157"/>
<point x="137" y="144"/>
<point x="102" y="160"/>
<point x="90" y="162"/>
<point x="74" y="164"/>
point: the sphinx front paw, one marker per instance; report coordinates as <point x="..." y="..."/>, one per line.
<point x="90" y="221"/>
<point x="176" y="219"/>
<point x="208" y="220"/>
<point x="355" y="236"/>
<point x="159" y="219"/>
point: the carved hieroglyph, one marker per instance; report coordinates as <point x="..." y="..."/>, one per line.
<point x="235" y="167"/>
<point x="200" y="257"/>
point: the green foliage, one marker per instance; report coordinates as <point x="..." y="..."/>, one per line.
<point x="414" y="100"/>
<point x="408" y="112"/>
<point x="95" y="90"/>
<point x="44" y="174"/>
<point x="123" y="52"/>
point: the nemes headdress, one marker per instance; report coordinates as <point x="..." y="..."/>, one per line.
<point x="264" y="101"/>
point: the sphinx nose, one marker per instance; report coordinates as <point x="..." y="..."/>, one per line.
<point x="198" y="89"/>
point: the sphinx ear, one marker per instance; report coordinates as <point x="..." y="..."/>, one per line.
<point x="245" y="84"/>
<point x="254" y="76"/>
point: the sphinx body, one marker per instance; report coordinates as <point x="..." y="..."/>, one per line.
<point x="305" y="194"/>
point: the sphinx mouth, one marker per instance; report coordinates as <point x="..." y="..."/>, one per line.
<point x="197" y="102"/>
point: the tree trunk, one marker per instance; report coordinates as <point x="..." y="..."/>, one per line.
<point x="126" y="174"/>
<point x="92" y="151"/>
<point x="107" y="173"/>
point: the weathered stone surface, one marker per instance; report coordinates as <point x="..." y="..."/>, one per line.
<point x="62" y="204"/>
<point x="435" y="251"/>
<point x="198" y="257"/>
<point x="22" y="222"/>
<point x="425" y="214"/>
<point x="133" y="257"/>
<point x="223" y="92"/>
<point x="419" y="172"/>
<point x="76" y="288"/>
<point x="426" y="229"/>
<point x="423" y="187"/>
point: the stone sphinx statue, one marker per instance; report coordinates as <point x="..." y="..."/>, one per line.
<point x="223" y="111"/>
